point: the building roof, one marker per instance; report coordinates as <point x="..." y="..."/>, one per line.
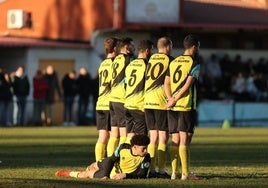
<point x="33" y="42"/>
<point x="231" y="13"/>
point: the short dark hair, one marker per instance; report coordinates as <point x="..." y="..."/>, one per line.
<point x="110" y="44"/>
<point x="140" y="140"/>
<point x="145" y="44"/>
<point x="125" y="41"/>
<point x="190" y="40"/>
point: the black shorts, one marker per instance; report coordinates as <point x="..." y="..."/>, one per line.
<point x="156" y="119"/>
<point x="135" y="122"/>
<point x="182" y="121"/>
<point x="105" y="168"/>
<point x="117" y="112"/>
<point x="103" y="120"/>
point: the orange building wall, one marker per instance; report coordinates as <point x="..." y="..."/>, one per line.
<point x="59" y="19"/>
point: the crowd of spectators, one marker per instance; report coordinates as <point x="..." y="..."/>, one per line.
<point x="15" y="91"/>
<point x="223" y="78"/>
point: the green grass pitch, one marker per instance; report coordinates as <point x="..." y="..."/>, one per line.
<point x="235" y="157"/>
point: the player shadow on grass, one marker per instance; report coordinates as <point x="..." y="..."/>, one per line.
<point x="249" y="176"/>
<point x="96" y="183"/>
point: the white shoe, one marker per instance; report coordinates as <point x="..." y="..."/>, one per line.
<point x="190" y="177"/>
<point x="173" y="176"/>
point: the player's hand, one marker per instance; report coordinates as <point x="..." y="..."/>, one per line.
<point x="119" y="176"/>
<point x="171" y="103"/>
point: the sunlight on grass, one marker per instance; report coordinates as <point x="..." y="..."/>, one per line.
<point x="222" y="157"/>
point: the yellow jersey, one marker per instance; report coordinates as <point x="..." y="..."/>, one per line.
<point x="154" y="97"/>
<point x="105" y="76"/>
<point x="179" y="69"/>
<point x="135" y="80"/>
<point x="118" y="78"/>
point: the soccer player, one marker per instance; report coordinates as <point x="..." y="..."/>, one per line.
<point x="117" y="95"/>
<point x="181" y="91"/>
<point x="102" y="106"/>
<point x="134" y="98"/>
<point x="154" y="104"/>
<point x="128" y="161"/>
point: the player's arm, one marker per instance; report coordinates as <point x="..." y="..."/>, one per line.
<point x="139" y="173"/>
<point x="192" y="77"/>
<point x="116" y="156"/>
<point x="167" y="87"/>
<point x="170" y="98"/>
<point x="189" y="81"/>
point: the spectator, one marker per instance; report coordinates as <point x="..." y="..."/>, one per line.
<point x="209" y="88"/>
<point x="95" y="94"/>
<point x="250" y="67"/>
<point x="21" y="88"/>
<point x="239" y="87"/>
<point x="40" y="87"/>
<point x="227" y="74"/>
<point x="69" y="91"/>
<point x="5" y="98"/>
<point x="251" y="88"/>
<point x="53" y="83"/>
<point x="83" y="84"/>
<point x="261" y="85"/>
<point x="213" y="67"/>
<point x="238" y="65"/>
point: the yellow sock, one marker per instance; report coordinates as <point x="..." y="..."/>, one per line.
<point x="111" y="146"/>
<point x="174" y="157"/>
<point x="74" y="174"/>
<point x="188" y="155"/>
<point x="122" y="140"/>
<point x="152" y="150"/>
<point x="184" y="160"/>
<point x="99" y="151"/>
<point x="162" y="157"/>
<point x="128" y="140"/>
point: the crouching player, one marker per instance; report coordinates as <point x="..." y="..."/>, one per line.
<point x="128" y="161"/>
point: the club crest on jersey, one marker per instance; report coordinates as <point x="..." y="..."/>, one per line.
<point x="146" y="165"/>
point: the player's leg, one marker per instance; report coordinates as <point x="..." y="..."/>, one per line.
<point x="88" y="173"/>
<point x="123" y="135"/>
<point x="162" y="152"/>
<point x="153" y="133"/>
<point x="121" y="116"/>
<point x="137" y="125"/>
<point x="114" y="133"/>
<point x="174" y="154"/>
<point x="162" y="125"/>
<point x="152" y="151"/>
<point x="187" y="121"/>
<point x="183" y="151"/>
<point x="175" y="141"/>
<point x="100" y="146"/>
<point x="103" y="126"/>
<point x="113" y="140"/>
<point x="129" y="125"/>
